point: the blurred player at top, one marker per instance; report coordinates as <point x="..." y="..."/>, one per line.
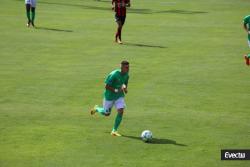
<point x="119" y="6"/>
<point x="30" y="6"/>
<point x="246" y="26"/>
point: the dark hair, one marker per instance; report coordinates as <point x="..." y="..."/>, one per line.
<point x="124" y="62"/>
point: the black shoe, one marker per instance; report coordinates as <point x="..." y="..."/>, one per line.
<point x="33" y="25"/>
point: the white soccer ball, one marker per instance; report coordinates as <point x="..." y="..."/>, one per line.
<point x="146" y="136"/>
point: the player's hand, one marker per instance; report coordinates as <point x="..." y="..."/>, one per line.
<point x="113" y="8"/>
<point x="124" y="88"/>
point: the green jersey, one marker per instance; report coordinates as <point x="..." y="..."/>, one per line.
<point x="246" y="21"/>
<point x="115" y="79"/>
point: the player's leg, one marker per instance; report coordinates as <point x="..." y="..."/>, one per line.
<point x="118" y="120"/>
<point x="248" y="41"/>
<point x="105" y="110"/>
<point x="120" y="105"/>
<point x="119" y="32"/>
<point x="247" y="57"/>
<point x="33" y="12"/>
<point x="119" y="27"/>
<point x="28" y="6"/>
<point x="122" y="23"/>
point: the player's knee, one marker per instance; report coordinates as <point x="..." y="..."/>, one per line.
<point x="120" y="111"/>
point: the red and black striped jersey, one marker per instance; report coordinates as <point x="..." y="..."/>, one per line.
<point x="120" y="6"/>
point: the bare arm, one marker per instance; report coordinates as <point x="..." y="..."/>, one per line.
<point x="245" y="27"/>
<point x="128" y="4"/>
<point x="116" y="90"/>
<point x="113" y="4"/>
<point x="110" y="88"/>
<point x="113" y="89"/>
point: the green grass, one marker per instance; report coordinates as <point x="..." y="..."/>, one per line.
<point x="188" y="83"/>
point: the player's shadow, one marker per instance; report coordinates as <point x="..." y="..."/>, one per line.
<point x="144" y="45"/>
<point x="106" y="1"/>
<point x="53" y="29"/>
<point x="132" y="10"/>
<point x="140" y="11"/>
<point x="149" y="11"/>
<point x="78" y="5"/>
<point x="156" y="140"/>
<point x="181" y="12"/>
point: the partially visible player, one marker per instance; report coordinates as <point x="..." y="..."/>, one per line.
<point x="119" y="6"/>
<point x="246" y="26"/>
<point x="115" y="89"/>
<point x="30" y="6"/>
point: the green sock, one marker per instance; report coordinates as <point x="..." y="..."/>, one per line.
<point x="118" y="120"/>
<point x="28" y="15"/>
<point x="248" y="55"/>
<point x="33" y="14"/>
<point x="100" y="110"/>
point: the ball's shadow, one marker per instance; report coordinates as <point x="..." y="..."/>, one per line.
<point x="156" y="140"/>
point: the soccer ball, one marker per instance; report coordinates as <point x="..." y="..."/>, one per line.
<point x="146" y="135"/>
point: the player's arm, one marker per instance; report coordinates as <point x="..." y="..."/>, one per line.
<point x="109" y="81"/>
<point x="128" y="3"/>
<point x="245" y="27"/>
<point x="125" y="88"/>
<point x="113" y="4"/>
<point x="108" y="87"/>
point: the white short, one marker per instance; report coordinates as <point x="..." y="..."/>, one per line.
<point x="31" y="2"/>
<point x="119" y="103"/>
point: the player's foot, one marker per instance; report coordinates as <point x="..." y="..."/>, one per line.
<point x="93" y="110"/>
<point x="115" y="133"/>
<point x="119" y="41"/>
<point x="33" y="25"/>
<point x="247" y="60"/>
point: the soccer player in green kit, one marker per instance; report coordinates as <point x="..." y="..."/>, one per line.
<point x="246" y="26"/>
<point x="115" y="89"/>
<point x="30" y="6"/>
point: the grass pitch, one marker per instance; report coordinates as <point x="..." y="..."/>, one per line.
<point x="188" y="83"/>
